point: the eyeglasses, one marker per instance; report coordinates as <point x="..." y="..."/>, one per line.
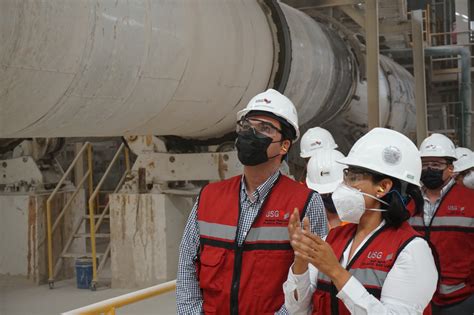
<point x="258" y="125"/>
<point x="440" y="166"/>
<point x="353" y="175"/>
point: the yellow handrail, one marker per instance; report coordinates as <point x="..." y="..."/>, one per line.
<point x="51" y="228"/>
<point x="119" y="185"/>
<point x="109" y="306"/>
<point x="92" y="203"/>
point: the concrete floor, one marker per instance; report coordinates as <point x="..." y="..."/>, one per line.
<point x="19" y="297"/>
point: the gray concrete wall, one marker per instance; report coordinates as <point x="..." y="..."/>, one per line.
<point x="146" y="230"/>
<point x="23" y="234"/>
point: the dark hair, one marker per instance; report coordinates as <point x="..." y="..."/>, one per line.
<point x="397" y="212"/>
<point x="449" y="160"/>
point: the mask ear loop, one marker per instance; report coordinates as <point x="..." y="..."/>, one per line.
<point x="370" y="196"/>
<point x="402" y="199"/>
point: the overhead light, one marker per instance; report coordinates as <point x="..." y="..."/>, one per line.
<point x="457" y="13"/>
<point x="465" y="16"/>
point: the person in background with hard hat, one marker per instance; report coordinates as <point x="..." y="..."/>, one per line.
<point x="313" y="140"/>
<point x="324" y="175"/>
<point x="464" y="167"/>
<point x="235" y="252"/>
<point x="447" y="221"/>
<point x="377" y="264"/>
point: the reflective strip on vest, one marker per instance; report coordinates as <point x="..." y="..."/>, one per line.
<point x="447" y="289"/>
<point x="367" y="277"/>
<point x="416" y="221"/>
<point x="268" y="234"/>
<point x="445" y="221"/>
<point x="226" y="232"/>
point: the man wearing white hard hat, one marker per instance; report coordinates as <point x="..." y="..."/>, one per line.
<point x="314" y="140"/>
<point x="447" y="221"/>
<point x="464" y="167"/>
<point x="324" y="175"/>
<point x="235" y="252"/>
<point x="376" y="264"/>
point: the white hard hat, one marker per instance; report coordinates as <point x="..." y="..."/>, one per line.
<point x="276" y="103"/>
<point x="388" y="152"/>
<point x="324" y="173"/>
<point x="314" y="139"/>
<point x="437" y="145"/>
<point x="465" y="159"/>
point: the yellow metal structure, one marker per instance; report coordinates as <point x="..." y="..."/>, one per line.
<point x="87" y="147"/>
<point x="92" y="205"/>
<point x="109" y="306"/>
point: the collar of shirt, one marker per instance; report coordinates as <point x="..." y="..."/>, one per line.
<point x="262" y="191"/>
<point x="444" y="190"/>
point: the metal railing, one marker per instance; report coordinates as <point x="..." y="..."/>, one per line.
<point x="86" y="148"/>
<point x="109" y="306"/>
<point x="450" y="38"/>
<point x="92" y="205"/>
<point x="445" y="118"/>
<point x="426" y="26"/>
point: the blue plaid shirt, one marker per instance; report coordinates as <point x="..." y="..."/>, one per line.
<point x="188" y="294"/>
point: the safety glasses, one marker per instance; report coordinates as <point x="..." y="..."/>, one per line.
<point x="434" y="165"/>
<point x="261" y="126"/>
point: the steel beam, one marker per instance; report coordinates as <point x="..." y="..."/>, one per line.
<point x="319" y="4"/>
<point x="385" y="27"/>
<point x="372" y="39"/>
<point x="419" y="72"/>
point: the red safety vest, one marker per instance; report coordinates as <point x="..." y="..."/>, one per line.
<point x="369" y="266"/>
<point x="246" y="279"/>
<point x="451" y="231"/>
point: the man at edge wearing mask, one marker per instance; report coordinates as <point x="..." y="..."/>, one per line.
<point x="235" y="251"/>
<point x="447" y="222"/>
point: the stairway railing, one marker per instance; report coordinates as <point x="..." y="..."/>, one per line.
<point x="86" y="149"/>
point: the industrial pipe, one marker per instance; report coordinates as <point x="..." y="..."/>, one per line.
<point x="183" y="68"/>
<point x="466" y="95"/>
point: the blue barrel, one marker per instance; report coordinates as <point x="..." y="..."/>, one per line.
<point x="83" y="272"/>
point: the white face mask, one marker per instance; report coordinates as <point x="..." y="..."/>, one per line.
<point x="468" y="180"/>
<point x="350" y="203"/>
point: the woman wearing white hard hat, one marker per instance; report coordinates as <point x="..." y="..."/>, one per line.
<point x="464" y="167"/>
<point x="324" y="175"/>
<point x="377" y="264"/>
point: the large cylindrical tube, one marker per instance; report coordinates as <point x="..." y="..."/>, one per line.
<point x="104" y="68"/>
<point x="115" y="67"/>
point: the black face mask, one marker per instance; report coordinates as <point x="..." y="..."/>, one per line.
<point x="432" y="179"/>
<point x="252" y="147"/>
<point x="328" y="203"/>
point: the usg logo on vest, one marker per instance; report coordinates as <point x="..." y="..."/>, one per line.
<point x="455" y="208"/>
<point x="272" y="214"/>
<point x="372" y="255"/>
